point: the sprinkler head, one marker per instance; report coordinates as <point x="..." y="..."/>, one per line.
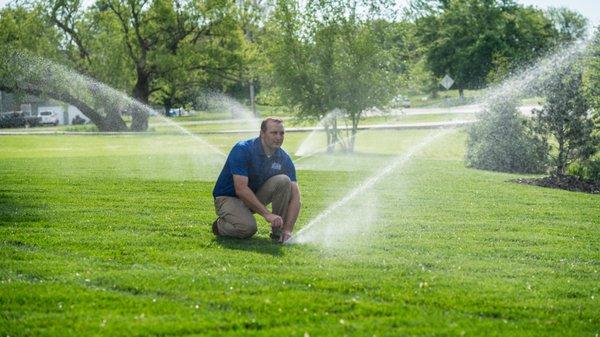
<point x="276" y="234"/>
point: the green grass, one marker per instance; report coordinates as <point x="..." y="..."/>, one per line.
<point x="161" y="126"/>
<point x="110" y="235"/>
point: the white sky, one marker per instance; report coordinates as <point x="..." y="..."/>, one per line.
<point x="589" y="8"/>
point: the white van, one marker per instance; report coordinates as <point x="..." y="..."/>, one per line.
<point x="48" y="117"/>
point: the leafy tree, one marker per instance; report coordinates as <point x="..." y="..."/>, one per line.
<point x="30" y="44"/>
<point x="164" y="49"/>
<point x="25" y="29"/>
<point x="564" y="119"/>
<point x="252" y="17"/>
<point x="592" y="78"/>
<point x="327" y="57"/>
<point x="206" y="56"/>
<point x="468" y="39"/>
<point x="570" y="25"/>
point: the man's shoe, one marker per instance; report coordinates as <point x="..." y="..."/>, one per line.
<point x="215" y="228"/>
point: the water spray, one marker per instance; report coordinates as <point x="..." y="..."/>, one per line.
<point x="303" y="235"/>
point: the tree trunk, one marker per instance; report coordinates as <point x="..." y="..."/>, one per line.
<point x="139" y="119"/>
<point x="334" y="134"/>
<point x="167" y="104"/>
<point x="561" y="161"/>
<point x="329" y="139"/>
<point x="141" y="92"/>
<point x="111" y="122"/>
<point x="355" y="120"/>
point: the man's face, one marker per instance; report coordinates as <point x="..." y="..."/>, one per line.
<point x="273" y="136"/>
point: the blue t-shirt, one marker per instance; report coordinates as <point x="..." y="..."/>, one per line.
<point x="248" y="159"/>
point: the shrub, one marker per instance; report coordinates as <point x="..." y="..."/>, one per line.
<point x="503" y="141"/>
<point x="586" y="170"/>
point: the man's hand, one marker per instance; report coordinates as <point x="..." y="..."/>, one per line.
<point x="275" y="220"/>
<point x="286" y="235"/>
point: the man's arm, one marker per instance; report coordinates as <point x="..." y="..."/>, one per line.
<point x="292" y="213"/>
<point x="244" y="192"/>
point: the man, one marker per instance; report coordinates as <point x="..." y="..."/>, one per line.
<point x="258" y="172"/>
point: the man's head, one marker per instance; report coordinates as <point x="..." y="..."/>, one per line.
<point x="272" y="133"/>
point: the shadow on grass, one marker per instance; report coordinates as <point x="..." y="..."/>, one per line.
<point x="13" y="211"/>
<point x="257" y="244"/>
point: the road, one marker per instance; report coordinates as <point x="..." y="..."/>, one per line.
<point x="526" y="110"/>
<point x="463" y="109"/>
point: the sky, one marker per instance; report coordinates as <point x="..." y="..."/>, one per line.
<point x="589" y="8"/>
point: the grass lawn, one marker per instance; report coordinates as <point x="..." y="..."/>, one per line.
<point x="110" y="235"/>
<point x="167" y="126"/>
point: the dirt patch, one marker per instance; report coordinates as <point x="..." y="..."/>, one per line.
<point x="569" y="183"/>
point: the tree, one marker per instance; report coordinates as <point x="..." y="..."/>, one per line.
<point x="570" y="25"/>
<point x="328" y="58"/>
<point x="166" y="48"/>
<point x="25" y="29"/>
<point x="252" y="18"/>
<point x="22" y="72"/>
<point x="468" y="39"/>
<point x="201" y="56"/>
<point x="591" y="79"/>
<point x="30" y="43"/>
<point x="365" y="69"/>
<point x="564" y="119"/>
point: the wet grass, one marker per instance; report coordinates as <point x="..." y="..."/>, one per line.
<point x="111" y="236"/>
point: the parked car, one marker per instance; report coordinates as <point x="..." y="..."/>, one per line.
<point x="77" y="120"/>
<point x="400" y="101"/>
<point x="16" y="119"/>
<point x="177" y="112"/>
<point x="48" y="117"/>
<point x="406" y="103"/>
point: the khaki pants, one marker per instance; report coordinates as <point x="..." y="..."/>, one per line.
<point x="236" y="219"/>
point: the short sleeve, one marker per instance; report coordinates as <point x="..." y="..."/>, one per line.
<point x="238" y="160"/>
<point x="290" y="169"/>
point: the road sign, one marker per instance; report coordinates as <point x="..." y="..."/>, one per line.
<point x="447" y="82"/>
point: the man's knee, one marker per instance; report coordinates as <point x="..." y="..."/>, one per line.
<point x="281" y="181"/>
<point x="246" y="230"/>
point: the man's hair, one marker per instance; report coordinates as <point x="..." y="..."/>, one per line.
<point x="263" y="125"/>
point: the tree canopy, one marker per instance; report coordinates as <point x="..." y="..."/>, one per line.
<point x="327" y="57"/>
<point x="469" y="39"/>
<point x="312" y="56"/>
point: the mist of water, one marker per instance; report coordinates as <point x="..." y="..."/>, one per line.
<point x="37" y="75"/>
<point x="355" y="213"/>
<point x="196" y="137"/>
<point x="313" y="144"/>
<point x="533" y="79"/>
<point x="337" y="223"/>
<point x="220" y="102"/>
<point x="40" y="76"/>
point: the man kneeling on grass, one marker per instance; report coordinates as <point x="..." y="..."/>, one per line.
<point x="257" y="173"/>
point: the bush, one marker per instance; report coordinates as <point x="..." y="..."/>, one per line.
<point x="503" y="141"/>
<point x="586" y="170"/>
<point x="82" y="128"/>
